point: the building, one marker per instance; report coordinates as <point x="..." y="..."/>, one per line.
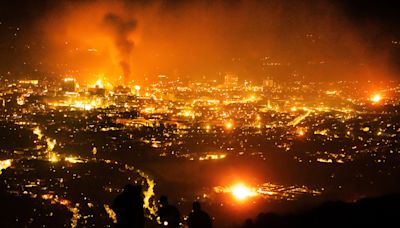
<point x="68" y="85"/>
<point x="231" y="81"/>
<point x="268" y="83"/>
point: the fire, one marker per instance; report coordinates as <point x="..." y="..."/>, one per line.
<point x="4" y="164"/>
<point x="53" y="157"/>
<point x="376" y="98"/>
<point x="102" y="82"/>
<point x="229" y="125"/>
<point x="242" y="192"/>
<point x="99" y="83"/>
<point x="301" y="132"/>
<point x="38" y="132"/>
<point x="72" y="159"/>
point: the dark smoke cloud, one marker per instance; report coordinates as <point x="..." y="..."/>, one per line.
<point x="120" y="30"/>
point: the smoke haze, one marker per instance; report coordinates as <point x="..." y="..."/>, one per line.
<point x="134" y="40"/>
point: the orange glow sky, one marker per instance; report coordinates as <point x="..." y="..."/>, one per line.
<point x="197" y="38"/>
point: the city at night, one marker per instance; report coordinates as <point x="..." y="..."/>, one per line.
<point x="199" y="113"/>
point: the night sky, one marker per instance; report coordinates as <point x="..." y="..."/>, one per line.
<point x="321" y="40"/>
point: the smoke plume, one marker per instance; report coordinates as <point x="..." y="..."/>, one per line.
<point x="120" y="31"/>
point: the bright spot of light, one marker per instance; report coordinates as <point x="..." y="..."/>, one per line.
<point x="99" y="83"/>
<point x="300" y="132"/>
<point x="229" y="125"/>
<point x="72" y="159"/>
<point x="53" y="157"/>
<point x="376" y="98"/>
<point x="4" y="164"/>
<point x="242" y="192"/>
<point x="38" y="132"/>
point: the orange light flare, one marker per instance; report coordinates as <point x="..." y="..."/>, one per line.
<point x="301" y="132"/>
<point x="101" y="83"/>
<point x="240" y="192"/>
<point x="376" y="98"/>
<point x="229" y="125"/>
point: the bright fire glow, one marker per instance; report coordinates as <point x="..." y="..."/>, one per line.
<point x="229" y="125"/>
<point x="38" y="132"/>
<point x="376" y="98"/>
<point x="99" y="83"/>
<point x="53" y="157"/>
<point x="69" y="79"/>
<point x="242" y="192"/>
<point x="300" y="132"/>
<point x="73" y="159"/>
<point x="4" y="164"/>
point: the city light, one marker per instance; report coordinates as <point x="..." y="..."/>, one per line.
<point x="73" y="159"/>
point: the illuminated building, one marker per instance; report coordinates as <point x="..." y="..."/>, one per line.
<point x="137" y="89"/>
<point x="122" y="90"/>
<point x="68" y="85"/>
<point x="97" y="91"/>
<point x="268" y="83"/>
<point x="28" y="82"/>
<point x="231" y="81"/>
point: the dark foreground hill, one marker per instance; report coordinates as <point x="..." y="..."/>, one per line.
<point x="369" y="212"/>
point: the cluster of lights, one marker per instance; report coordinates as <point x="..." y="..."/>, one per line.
<point x="212" y="157"/>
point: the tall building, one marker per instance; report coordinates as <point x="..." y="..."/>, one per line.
<point x="231" y="81"/>
<point x="68" y="85"/>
